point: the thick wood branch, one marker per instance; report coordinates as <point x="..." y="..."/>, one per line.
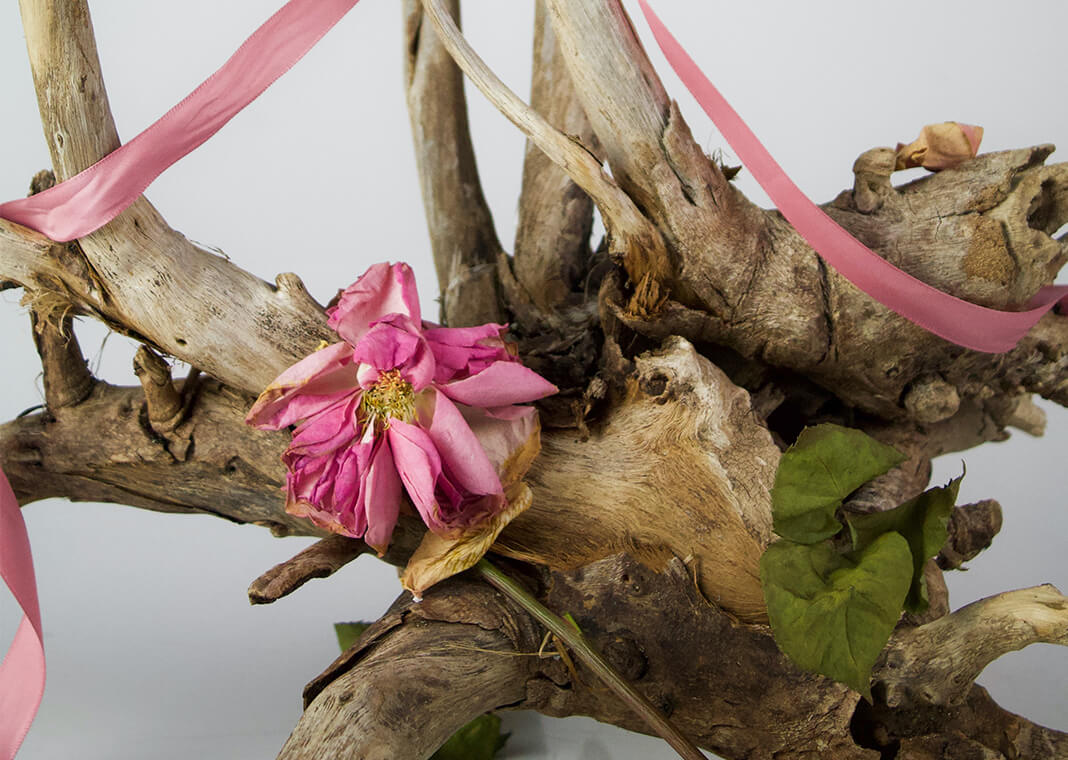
<point x="454" y="657"/>
<point x="552" y="245"/>
<point x="462" y="236"/>
<point x="232" y="471"/>
<point x="937" y="663"/>
<point x="744" y="278"/>
<point x="725" y="684"/>
<point x="144" y="275"/>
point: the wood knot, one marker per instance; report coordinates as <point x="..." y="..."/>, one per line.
<point x="654" y="385"/>
<point x="626" y="657"/>
<point x="871" y="179"/>
<point x="971" y="529"/>
<point x="931" y="399"/>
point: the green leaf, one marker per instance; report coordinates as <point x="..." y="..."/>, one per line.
<point x="348" y="633"/>
<point x="922" y="521"/>
<point x="825" y="465"/>
<point x="832" y="614"/>
<point x="480" y="739"/>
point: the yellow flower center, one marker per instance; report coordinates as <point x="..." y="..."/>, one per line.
<point x="391" y="397"/>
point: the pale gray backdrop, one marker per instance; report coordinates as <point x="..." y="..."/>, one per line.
<point x="153" y="649"/>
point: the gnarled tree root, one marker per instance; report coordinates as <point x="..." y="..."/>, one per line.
<point x="465" y="650"/>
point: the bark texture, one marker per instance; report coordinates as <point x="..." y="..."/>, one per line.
<point x="691" y="347"/>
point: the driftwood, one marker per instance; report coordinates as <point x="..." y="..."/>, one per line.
<point x="683" y="375"/>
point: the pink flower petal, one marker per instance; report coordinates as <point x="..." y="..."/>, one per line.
<point x="462" y="457"/>
<point x="419" y="467"/>
<point x="389" y="345"/>
<point x="501" y="432"/>
<point x="312" y="384"/>
<point x="331" y="429"/>
<point x="464" y="351"/>
<point x="385" y="347"/>
<point x="500" y="384"/>
<point x="383" y="289"/>
<point x="463" y="336"/>
<point x="381" y="497"/>
<point x="367" y="376"/>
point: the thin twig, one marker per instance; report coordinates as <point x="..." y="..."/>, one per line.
<point x="592" y="659"/>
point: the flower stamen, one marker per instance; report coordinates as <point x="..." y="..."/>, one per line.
<point x="392" y="397"/>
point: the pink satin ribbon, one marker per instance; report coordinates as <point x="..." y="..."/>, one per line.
<point x="954" y="319"/>
<point x="95" y="196"/>
<point x="22" y="673"/>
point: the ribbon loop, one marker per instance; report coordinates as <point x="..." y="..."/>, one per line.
<point x="22" y="673"/>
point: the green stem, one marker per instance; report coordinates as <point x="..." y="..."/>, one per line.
<point x="578" y="644"/>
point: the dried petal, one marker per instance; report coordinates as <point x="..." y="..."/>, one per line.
<point x="940" y="146"/>
<point x="462" y="456"/>
<point x="382" y="290"/>
<point x="500" y="384"/>
<point x="381" y="498"/>
<point x="439" y="557"/>
<point x="314" y="383"/>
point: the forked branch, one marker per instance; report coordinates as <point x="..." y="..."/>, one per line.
<point x="462" y="236"/>
<point x="632" y="236"/>
<point x="148" y="278"/>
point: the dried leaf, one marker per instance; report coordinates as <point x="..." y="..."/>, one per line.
<point x="923" y="522"/>
<point x="439" y="557"/>
<point x="825" y="465"/>
<point x="940" y="146"/>
<point x="831" y="614"/>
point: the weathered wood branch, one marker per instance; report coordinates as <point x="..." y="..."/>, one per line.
<point x="232" y="471"/>
<point x="938" y="663"/>
<point x="552" y="244"/>
<point x="145" y="275"/>
<point x="979" y="729"/>
<point x="631" y="236"/>
<point x="753" y="702"/>
<point x="742" y="276"/>
<point x="456" y="654"/>
<point x="462" y="237"/>
<point x="66" y="376"/>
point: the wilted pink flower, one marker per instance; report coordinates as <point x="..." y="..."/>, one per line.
<point x="392" y="406"/>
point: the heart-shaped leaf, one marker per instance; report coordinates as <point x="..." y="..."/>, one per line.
<point x="922" y="521"/>
<point x="825" y="465"/>
<point x="831" y="614"/>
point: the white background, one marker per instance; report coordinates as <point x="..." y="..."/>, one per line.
<point x="153" y="649"/>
